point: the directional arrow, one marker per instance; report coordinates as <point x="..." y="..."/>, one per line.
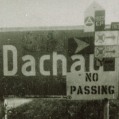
<point x="113" y="51"/>
<point x="112" y="37"/>
<point x="80" y="45"/>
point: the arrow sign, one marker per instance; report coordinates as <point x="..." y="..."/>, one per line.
<point x="106" y="51"/>
<point x="81" y="45"/>
<point x="103" y="38"/>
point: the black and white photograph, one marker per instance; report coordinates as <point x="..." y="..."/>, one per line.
<point x="59" y="59"/>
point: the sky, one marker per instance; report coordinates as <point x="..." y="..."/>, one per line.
<point x="35" y="13"/>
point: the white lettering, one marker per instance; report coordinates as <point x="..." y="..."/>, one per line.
<point x="80" y="62"/>
<point x="57" y="57"/>
<point x="41" y="66"/>
<point x="30" y="63"/>
<point x="12" y="49"/>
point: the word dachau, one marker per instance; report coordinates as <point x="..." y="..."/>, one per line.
<point x="29" y="61"/>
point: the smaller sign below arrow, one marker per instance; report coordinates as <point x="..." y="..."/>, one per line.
<point x="115" y="26"/>
<point x="106" y="38"/>
<point x="106" y="51"/>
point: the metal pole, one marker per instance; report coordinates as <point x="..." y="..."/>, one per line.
<point x="106" y="109"/>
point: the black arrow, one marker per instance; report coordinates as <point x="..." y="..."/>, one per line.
<point x="113" y="37"/>
<point x="113" y="51"/>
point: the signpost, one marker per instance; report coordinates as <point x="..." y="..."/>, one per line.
<point x="83" y="85"/>
<point x="107" y="46"/>
<point x="106" y="109"/>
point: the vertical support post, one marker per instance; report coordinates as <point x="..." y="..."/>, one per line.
<point x="5" y="109"/>
<point x="106" y="109"/>
<point x="6" y="115"/>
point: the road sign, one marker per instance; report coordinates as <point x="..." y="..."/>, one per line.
<point x="106" y="38"/>
<point x="37" y="60"/>
<point x="26" y="59"/>
<point x="89" y="17"/>
<point x="92" y="85"/>
<point x="106" y="51"/>
<point x="89" y="21"/>
<point x="115" y="26"/>
<point x="99" y="20"/>
<point x="79" y="45"/>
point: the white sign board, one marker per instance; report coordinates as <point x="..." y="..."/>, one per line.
<point x="92" y="85"/>
<point x="106" y="38"/>
<point x="89" y="17"/>
<point x="106" y="51"/>
<point x="89" y="24"/>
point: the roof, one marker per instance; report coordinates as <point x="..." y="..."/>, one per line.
<point x="20" y="29"/>
<point x="42" y="28"/>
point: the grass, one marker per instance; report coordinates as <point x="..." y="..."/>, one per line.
<point x="1" y="110"/>
<point x="62" y="109"/>
<point x="56" y="109"/>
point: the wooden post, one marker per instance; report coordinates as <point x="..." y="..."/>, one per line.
<point x="5" y="109"/>
<point x="106" y="109"/>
